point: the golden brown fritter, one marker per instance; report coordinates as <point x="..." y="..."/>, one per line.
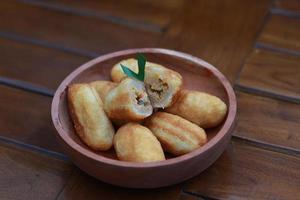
<point x="201" y="108"/>
<point x="162" y="84"/>
<point x="128" y="102"/>
<point x="90" y="121"/>
<point x="177" y="135"/>
<point x="103" y="87"/>
<point x="136" y="143"/>
<point x="117" y="74"/>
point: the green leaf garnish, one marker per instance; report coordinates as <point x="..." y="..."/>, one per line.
<point x="141" y="64"/>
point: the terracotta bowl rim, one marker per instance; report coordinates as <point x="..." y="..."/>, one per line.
<point x="94" y="156"/>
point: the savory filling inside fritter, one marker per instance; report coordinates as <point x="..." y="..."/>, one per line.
<point x="141" y="98"/>
<point x="157" y="89"/>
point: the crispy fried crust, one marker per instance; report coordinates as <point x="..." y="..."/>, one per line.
<point x="136" y="143"/>
<point x="200" y="108"/>
<point x="117" y="74"/>
<point x="103" y="87"/>
<point x="177" y="135"/>
<point x="90" y="121"/>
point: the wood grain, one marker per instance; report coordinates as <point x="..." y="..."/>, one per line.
<point x="247" y="172"/>
<point x="35" y="64"/>
<point x="94" y="36"/>
<point x="139" y="13"/>
<point x="29" y="175"/>
<point x="282" y="31"/>
<point x="212" y="31"/>
<point x="185" y="196"/>
<point x="272" y="71"/>
<point x="223" y="33"/>
<point x="268" y="120"/>
<point x="82" y="186"/>
<point x="290" y="5"/>
<point x="25" y="116"/>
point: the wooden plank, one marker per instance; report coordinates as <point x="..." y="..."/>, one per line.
<point x="28" y="175"/>
<point x="65" y="30"/>
<point x="185" y="196"/>
<point x="289" y="5"/>
<point x="82" y="186"/>
<point x="268" y="120"/>
<point x="26" y="117"/>
<point x="36" y="64"/>
<point x="247" y="172"/>
<point x="272" y="71"/>
<point x="220" y="32"/>
<point x="139" y="13"/>
<point x="282" y="32"/>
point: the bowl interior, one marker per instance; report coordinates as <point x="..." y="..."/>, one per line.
<point x="194" y="75"/>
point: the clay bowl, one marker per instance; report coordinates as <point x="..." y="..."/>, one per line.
<point x="197" y="74"/>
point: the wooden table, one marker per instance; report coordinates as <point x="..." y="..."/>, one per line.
<point x="256" y="44"/>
